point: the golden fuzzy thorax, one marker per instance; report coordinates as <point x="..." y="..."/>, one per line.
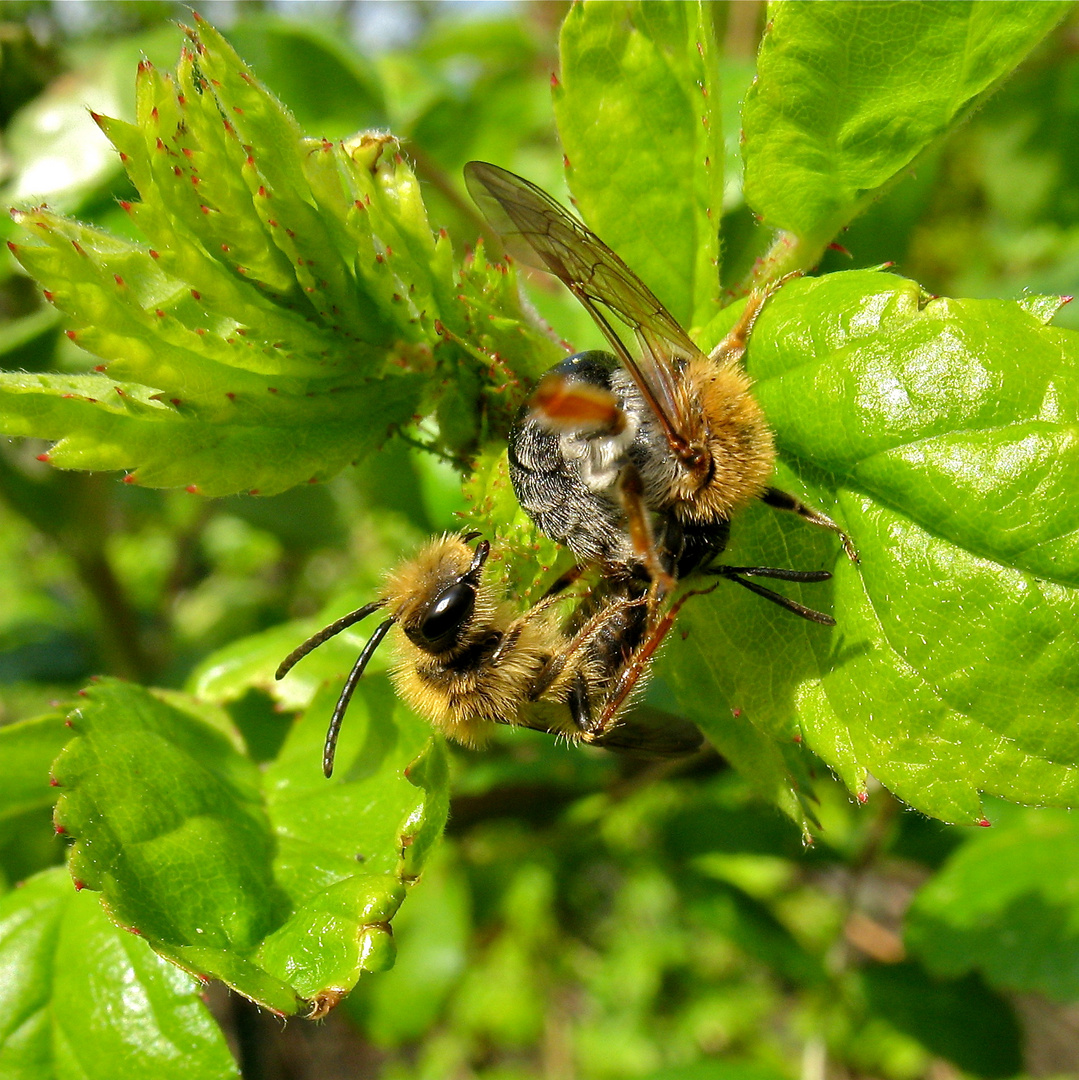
<point x="731" y="427"/>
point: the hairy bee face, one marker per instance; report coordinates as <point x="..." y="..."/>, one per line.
<point x="438" y="598"/>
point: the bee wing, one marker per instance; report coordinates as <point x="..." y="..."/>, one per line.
<point x="533" y="223"/>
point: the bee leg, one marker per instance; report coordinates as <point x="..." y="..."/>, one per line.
<point x="782" y="500"/>
<point x="580" y="708"/>
<point x="553" y="670"/>
<point x="735" y="573"/>
<point x="631" y="495"/>
<point x="638" y="665"/>
<point x="562" y="583"/>
<point x="732" y="348"/>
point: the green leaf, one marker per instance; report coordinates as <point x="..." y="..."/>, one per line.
<point x="638" y="111"/>
<point x="960" y="1020"/>
<point x="278" y="883"/>
<point x="1006" y="905"/>
<point x="82" y="999"/>
<point x="940" y="434"/>
<point x="432" y="939"/>
<point x="27" y="750"/>
<point x="28" y="841"/>
<point x="288" y="286"/>
<point x="848" y="95"/>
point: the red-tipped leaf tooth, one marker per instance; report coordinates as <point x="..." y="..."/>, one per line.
<point x="43" y="457"/>
<point x="192" y="489"/>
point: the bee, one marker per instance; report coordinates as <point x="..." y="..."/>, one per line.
<point x="468" y="660"/>
<point x="636" y="460"/>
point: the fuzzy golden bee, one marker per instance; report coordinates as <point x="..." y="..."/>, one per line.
<point x="636" y="459"/>
<point x="467" y="660"/>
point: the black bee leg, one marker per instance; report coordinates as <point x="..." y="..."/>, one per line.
<point x="580" y="708"/>
<point x="740" y="573"/>
<point x="782" y="500"/>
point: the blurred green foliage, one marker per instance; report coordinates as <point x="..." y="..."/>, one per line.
<point x="587" y="916"/>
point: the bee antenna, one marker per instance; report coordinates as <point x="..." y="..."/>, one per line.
<point x="325" y="634"/>
<point x="373" y="642"/>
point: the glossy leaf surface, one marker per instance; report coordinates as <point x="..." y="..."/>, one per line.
<point x="939" y="433"/>
<point x="848" y="95"/>
<point x="80" y="999"/>
<point x="281" y="884"/>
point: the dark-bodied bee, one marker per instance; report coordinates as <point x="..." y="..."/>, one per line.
<point x="467" y="660"/>
<point x="637" y="460"/>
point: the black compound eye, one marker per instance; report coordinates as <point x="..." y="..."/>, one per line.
<point x="451" y="609"/>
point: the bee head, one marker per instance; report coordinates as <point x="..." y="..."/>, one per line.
<point x="438" y="613"/>
<point x="433" y="597"/>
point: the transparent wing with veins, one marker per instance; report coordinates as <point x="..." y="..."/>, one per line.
<point x="527" y="217"/>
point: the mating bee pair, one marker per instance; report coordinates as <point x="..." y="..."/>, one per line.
<point x="636" y="461"/>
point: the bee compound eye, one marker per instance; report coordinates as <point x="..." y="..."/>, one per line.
<point x="448" y="613"/>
